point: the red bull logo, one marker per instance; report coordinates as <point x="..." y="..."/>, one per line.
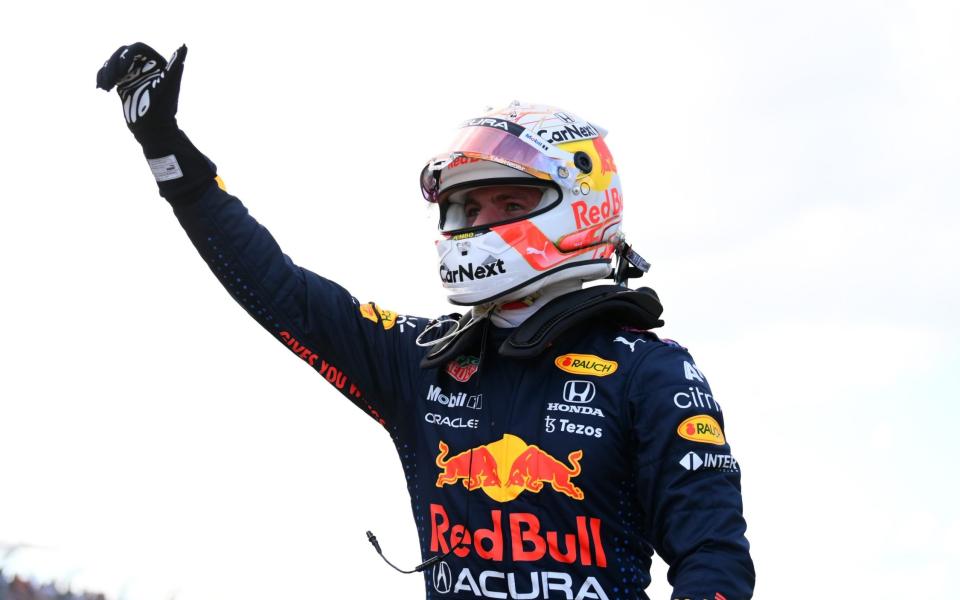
<point x="587" y="215"/>
<point x="606" y="159"/>
<point x="518" y="537"/>
<point x="461" y="160"/>
<point x="530" y="469"/>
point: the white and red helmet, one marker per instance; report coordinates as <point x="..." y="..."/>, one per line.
<point x="570" y="235"/>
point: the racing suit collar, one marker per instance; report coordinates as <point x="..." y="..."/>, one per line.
<point x="513" y="314"/>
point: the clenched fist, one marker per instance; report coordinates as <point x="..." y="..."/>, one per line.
<point x="149" y="88"/>
<point x="148" y="84"/>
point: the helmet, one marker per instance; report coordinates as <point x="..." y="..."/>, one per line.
<point x="570" y="234"/>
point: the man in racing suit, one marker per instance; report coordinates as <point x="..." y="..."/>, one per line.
<point x="551" y="442"/>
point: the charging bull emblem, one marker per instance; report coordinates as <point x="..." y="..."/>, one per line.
<point x="531" y="469"/>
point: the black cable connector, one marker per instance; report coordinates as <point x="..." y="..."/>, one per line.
<point x="433" y="559"/>
<point x="417" y="569"/>
<point x="429" y="562"/>
<point x="373" y="540"/>
<point x="376" y="545"/>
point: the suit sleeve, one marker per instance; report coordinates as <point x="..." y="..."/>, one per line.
<point x="361" y="349"/>
<point x="688" y="480"/>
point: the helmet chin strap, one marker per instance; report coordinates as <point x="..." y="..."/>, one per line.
<point x="512" y="314"/>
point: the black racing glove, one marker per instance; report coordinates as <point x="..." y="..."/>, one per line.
<point x="149" y="88"/>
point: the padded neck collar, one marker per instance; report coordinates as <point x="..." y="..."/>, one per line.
<point x="637" y="308"/>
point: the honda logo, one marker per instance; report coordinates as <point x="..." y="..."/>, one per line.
<point x="578" y="391"/>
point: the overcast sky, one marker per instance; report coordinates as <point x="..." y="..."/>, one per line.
<point x="790" y="170"/>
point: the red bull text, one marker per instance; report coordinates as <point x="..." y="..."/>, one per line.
<point x="517" y="537"/>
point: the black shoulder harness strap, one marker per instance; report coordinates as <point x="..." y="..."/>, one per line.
<point x="638" y="308"/>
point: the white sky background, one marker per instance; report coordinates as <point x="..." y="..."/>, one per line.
<point x="791" y="171"/>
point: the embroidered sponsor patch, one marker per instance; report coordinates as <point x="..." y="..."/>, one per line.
<point x="387" y="317"/>
<point x="702" y="428"/>
<point x="586" y="364"/>
<point x="462" y="368"/>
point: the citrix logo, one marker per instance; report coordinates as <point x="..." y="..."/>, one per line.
<point x="470" y="272"/>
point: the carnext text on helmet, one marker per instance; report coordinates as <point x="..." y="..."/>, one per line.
<point x="469" y="272"/>
<point x="568" y="133"/>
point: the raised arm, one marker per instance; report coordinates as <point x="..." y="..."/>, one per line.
<point x="364" y="351"/>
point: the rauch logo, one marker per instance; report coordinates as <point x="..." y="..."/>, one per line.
<point x="702" y="428"/>
<point x="586" y="364"/>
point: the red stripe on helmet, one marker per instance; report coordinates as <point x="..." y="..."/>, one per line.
<point x="533" y="245"/>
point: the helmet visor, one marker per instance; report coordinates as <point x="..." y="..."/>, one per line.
<point x="481" y="206"/>
<point x="506" y="143"/>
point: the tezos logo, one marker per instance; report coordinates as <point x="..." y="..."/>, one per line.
<point x="585" y="364"/>
<point x="568" y="426"/>
<point x="702" y="428"/>
<point x="463" y="273"/>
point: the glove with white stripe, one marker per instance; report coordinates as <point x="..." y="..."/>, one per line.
<point x="149" y="88"/>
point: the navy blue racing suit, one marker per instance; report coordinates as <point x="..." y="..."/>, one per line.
<point x="552" y="477"/>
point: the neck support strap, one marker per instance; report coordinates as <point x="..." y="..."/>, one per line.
<point x="636" y="308"/>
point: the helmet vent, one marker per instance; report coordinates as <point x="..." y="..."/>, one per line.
<point x="582" y="161"/>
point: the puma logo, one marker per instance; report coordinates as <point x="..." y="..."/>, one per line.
<point x="624" y="341"/>
<point x="542" y="252"/>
